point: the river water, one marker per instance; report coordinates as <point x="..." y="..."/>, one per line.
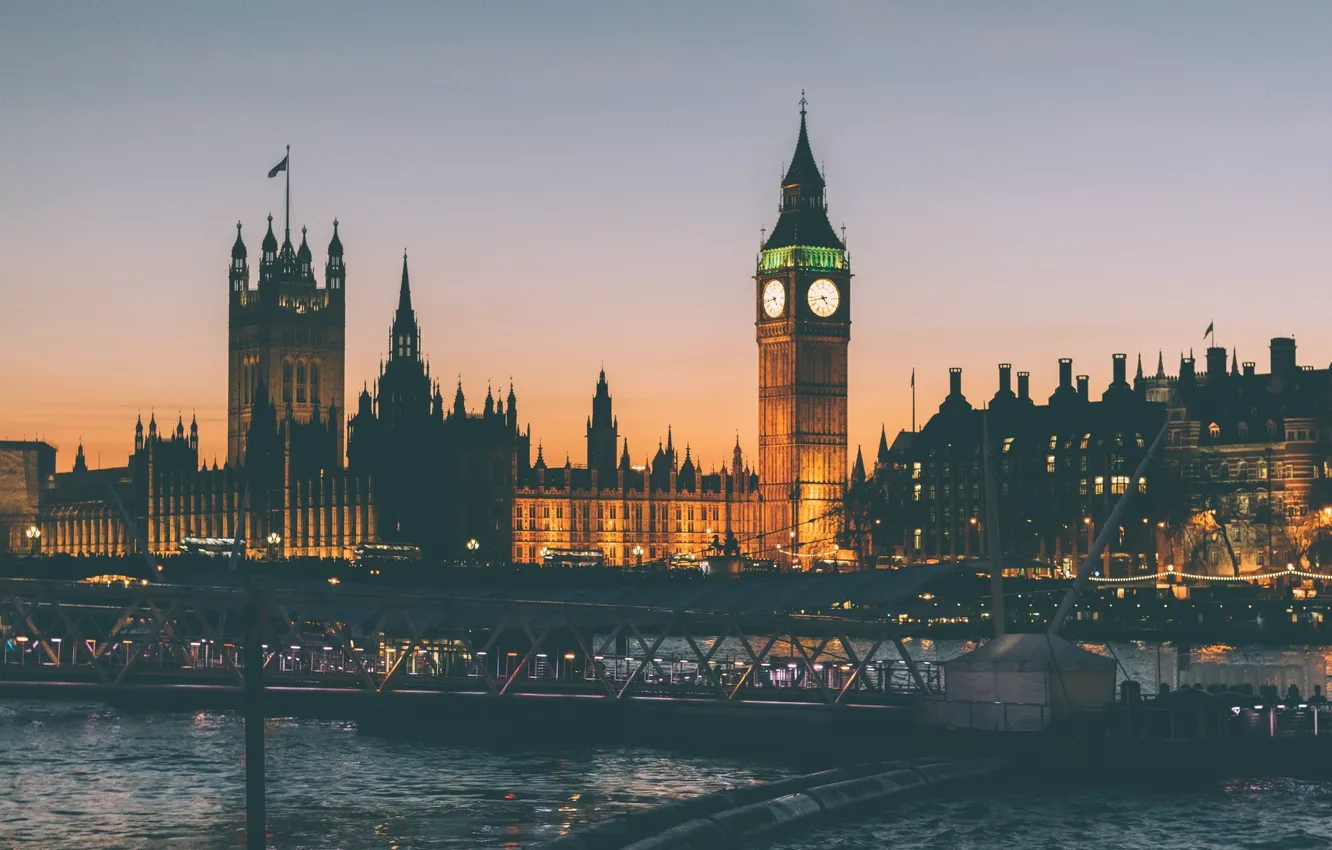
<point x="89" y="777"/>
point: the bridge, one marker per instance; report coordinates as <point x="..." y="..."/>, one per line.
<point x="739" y="641"/>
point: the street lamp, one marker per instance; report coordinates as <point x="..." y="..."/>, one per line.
<point x="274" y="541"/>
<point x="34" y="535"/>
<point x="638" y="556"/>
<point x="472" y="545"/>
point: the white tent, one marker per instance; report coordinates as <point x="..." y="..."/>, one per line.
<point x="1019" y="682"/>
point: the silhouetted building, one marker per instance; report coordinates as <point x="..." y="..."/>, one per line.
<point x="443" y="476"/>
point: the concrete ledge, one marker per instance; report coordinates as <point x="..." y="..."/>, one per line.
<point x="757" y="819"/>
<point x="725" y="818"/>
<point x="854" y="793"/>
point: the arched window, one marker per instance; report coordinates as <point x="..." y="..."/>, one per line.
<point x="300" y="383"/>
<point x="286" y="381"/>
<point x="1242" y="471"/>
<point x="314" y="382"/>
<point x="1214" y="430"/>
<point x="1242" y="430"/>
<point x="1262" y="470"/>
<point x="1271" y="430"/>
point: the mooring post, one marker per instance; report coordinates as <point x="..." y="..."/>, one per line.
<point x="255" y="835"/>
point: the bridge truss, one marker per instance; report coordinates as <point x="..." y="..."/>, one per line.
<point x="124" y="635"/>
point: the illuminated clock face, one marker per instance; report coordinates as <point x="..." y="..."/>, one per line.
<point x="823" y="297"/>
<point x="774" y="298"/>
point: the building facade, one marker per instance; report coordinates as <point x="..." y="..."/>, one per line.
<point x="287" y="334"/>
<point x="662" y="512"/>
<point x="802" y="288"/>
<point x="1240" y="483"/>
<point x="444" y="478"/>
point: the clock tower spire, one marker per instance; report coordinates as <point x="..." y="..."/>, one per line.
<point x="803" y="321"/>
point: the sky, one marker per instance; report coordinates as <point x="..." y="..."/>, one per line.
<point x="584" y="184"/>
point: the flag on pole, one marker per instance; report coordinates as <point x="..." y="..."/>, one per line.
<point x="1205" y="333"/>
<point x="280" y="167"/>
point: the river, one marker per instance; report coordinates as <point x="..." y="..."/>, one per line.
<point x="91" y="777"/>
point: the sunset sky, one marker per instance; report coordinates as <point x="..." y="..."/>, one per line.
<point x="580" y="184"/>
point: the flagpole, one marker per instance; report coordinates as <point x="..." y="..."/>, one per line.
<point x="913" y="399"/>
<point x="287" y="225"/>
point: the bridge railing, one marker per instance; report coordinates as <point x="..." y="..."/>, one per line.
<point x="163" y="634"/>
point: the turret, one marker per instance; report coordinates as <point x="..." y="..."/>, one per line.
<point x="304" y="259"/>
<point x="270" y="248"/>
<point x="138" y="433"/>
<point x="194" y="432"/>
<point x="239" y="271"/>
<point x="335" y="272"/>
<point x="459" y="406"/>
<point x="858" y="471"/>
<point x="80" y="462"/>
<point x="512" y="410"/>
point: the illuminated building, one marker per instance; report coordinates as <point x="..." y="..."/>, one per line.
<point x="803" y="325"/>
<point x="1241" y="481"/>
<point x="1059" y="469"/>
<point x="663" y="511"/>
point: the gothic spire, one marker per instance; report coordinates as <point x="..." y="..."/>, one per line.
<point x="883" y="444"/>
<point x="1160" y="364"/>
<point x="269" y="246"/>
<point x="858" y="472"/>
<point x="804" y="213"/>
<point x="405" y="291"/>
<point x="238" y="249"/>
<point x="335" y="244"/>
<point x="1234" y="361"/>
<point x="1138" y="376"/>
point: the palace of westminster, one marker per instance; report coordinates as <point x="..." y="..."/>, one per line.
<point x="1240" y="482"/>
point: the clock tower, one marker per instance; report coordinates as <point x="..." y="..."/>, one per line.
<point x="802" y="293"/>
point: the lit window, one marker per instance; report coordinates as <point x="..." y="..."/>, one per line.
<point x="1008" y="444"/>
<point x="1086" y="438"/>
<point x="1100" y="485"/>
<point x="1050" y="463"/>
<point x="1214" y="430"/>
<point x="915" y="493"/>
<point x="1054" y="441"/>
<point x="1118" y="483"/>
<point x="915" y="470"/>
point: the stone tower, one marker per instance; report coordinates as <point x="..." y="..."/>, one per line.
<point x="802" y="291"/>
<point x="286" y="337"/>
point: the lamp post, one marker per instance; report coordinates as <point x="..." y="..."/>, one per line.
<point x="638" y="557"/>
<point x="472" y="545"/>
<point x="34" y="535"/>
<point x="274" y="541"/>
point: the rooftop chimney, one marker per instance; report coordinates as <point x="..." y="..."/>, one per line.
<point x="1065" y="372"/>
<point x="955" y="381"/>
<point x="1005" y="379"/>
<point x="1121" y="369"/>
<point x="1024" y="385"/>
<point x="1082" y="386"/>
<point x="1249" y="368"/>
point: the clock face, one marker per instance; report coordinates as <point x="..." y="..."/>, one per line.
<point x="774" y="298"/>
<point x="823" y="297"/>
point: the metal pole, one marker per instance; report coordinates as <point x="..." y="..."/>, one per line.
<point x="255" y="837"/>
<point x="1103" y="539"/>
<point x="992" y="525"/>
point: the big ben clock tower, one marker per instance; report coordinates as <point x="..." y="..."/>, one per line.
<point x="802" y="292"/>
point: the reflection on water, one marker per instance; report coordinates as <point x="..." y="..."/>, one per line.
<point x="1262" y="814"/>
<point x="90" y="777"/>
